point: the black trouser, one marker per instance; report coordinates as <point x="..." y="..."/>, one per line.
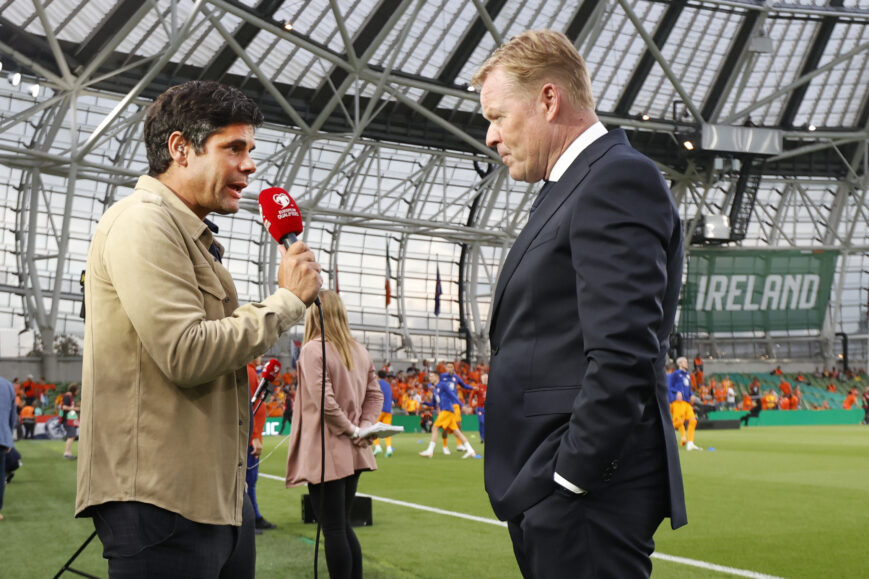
<point x="29" y="426"/>
<point x="606" y="534"/>
<point x="343" y="553"/>
<point x="143" y="541"/>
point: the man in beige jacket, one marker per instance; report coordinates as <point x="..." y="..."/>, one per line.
<point x="165" y="402"/>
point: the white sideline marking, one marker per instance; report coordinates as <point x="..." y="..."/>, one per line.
<point x="661" y="556"/>
<point x="713" y="566"/>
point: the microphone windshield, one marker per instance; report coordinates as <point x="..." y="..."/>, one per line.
<point x="271" y="369"/>
<point x="280" y="214"/>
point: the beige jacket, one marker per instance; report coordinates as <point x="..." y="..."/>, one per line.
<point x="353" y="398"/>
<point x="165" y="401"/>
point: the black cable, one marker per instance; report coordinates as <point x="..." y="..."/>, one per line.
<point x="322" y="439"/>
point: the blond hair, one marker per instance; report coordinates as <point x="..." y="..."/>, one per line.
<point x="535" y="57"/>
<point x="337" y="327"/>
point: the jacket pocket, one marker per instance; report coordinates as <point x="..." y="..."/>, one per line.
<point x="208" y="282"/>
<point x="550" y="400"/>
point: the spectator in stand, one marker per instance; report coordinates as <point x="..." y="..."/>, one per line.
<point x="747" y="402"/>
<point x="42" y="388"/>
<point x="705" y="395"/>
<point x="385" y="413"/>
<point x="796" y="398"/>
<point x="353" y="401"/>
<point x="287" y="415"/>
<point x="866" y="406"/>
<point x="682" y="413"/>
<point x="777" y="371"/>
<point x="27" y="418"/>
<point x="799" y="377"/>
<point x="784" y="403"/>
<point x="831" y="387"/>
<point x="770" y="401"/>
<point x="784" y="387"/>
<point x="719" y="393"/>
<point x="850" y="399"/>
<point x="698" y="363"/>
<point x="28" y="389"/>
<point x="698" y="380"/>
<point x="754" y="389"/>
<point x="818" y="373"/>
<point x="730" y="393"/>
<point x="69" y="409"/>
<point x="255" y="447"/>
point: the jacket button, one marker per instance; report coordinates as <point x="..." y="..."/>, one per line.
<point x="239" y="464"/>
<point x="226" y="300"/>
<point x="495" y="350"/>
<point x="240" y="422"/>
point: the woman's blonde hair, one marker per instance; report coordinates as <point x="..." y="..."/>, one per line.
<point x="535" y="57"/>
<point x="337" y="328"/>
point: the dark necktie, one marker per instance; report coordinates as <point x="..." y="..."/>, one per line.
<point x="547" y="185"/>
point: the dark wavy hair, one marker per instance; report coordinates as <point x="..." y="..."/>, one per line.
<point x="197" y="109"/>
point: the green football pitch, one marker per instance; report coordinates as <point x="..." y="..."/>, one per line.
<point x="766" y="502"/>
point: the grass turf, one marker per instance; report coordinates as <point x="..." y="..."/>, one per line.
<point x="783" y="501"/>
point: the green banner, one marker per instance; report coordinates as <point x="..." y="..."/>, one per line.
<point x="756" y="290"/>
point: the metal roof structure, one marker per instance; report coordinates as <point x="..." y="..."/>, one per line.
<point x="370" y="125"/>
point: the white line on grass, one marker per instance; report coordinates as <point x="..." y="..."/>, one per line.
<point x="661" y="556"/>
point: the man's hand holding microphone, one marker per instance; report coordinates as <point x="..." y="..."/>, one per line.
<point x="299" y="272"/>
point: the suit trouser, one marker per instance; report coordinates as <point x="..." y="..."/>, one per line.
<point x="606" y="533"/>
<point x="142" y="541"/>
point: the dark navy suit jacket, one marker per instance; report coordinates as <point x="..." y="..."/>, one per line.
<point x="580" y="327"/>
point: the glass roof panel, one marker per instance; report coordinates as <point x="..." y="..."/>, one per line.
<point x="318" y="22"/>
<point x="282" y="61"/>
<point x="839" y="107"/>
<point x="433" y="35"/>
<point x="616" y="51"/>
<point x="694" y="52"/>
<point x="204" y="42"/>
<point x="769" y="72"/>
<point x="78" y="26"/>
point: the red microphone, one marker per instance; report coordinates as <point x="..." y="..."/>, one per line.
<point x="280" y="215"/>
<point x="270" y="372"/>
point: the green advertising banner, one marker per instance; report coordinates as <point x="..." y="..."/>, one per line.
<point x="756" y="290"/>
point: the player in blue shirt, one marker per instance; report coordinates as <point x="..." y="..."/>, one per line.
<point x="385" y="413"/>
<point x="679" y="381"/>
<point x="446" y="400"/>
<point x="455" y="382"/>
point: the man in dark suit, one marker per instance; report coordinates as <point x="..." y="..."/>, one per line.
<point x="581" y="459"/>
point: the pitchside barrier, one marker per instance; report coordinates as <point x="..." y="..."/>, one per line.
<point x="410" y="424"/>
<point x="791" y="417"/>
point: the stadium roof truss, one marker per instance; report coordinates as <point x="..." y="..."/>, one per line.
<point x="371" y="126"/>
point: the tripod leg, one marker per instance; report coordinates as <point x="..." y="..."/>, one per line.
<point x="66" y="566"/>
